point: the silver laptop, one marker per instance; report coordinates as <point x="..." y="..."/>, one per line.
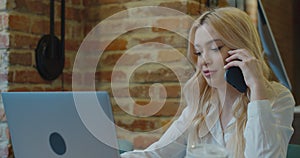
<point x="61" y="124"/>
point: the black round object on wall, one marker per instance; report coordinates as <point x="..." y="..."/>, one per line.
<point x="57" y="143"/>
<point x="49" y="57"/>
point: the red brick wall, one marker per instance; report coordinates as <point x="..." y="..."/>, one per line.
<point x="4" y="45"/>
<point x="147" y="74"/>
<point x="22" y="24"/>
<point x="28" y="22"/>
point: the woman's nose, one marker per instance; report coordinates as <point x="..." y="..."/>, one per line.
<point x="203" y="61"/>
<point x="206" y="58"/>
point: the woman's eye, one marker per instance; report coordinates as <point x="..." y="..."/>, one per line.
<point x="198" y="53"/>
<point x="217" y="48"/>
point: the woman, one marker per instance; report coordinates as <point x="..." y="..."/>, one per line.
<point x="253" y="124"/>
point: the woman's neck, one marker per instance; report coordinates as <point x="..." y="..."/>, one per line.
<point x="227" y="97"/>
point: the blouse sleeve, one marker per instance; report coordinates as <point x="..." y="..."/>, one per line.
<point x="269" y="126"/>
<point x="173" y="142"/>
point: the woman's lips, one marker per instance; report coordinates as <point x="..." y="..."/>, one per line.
<point x="208" y="73"/>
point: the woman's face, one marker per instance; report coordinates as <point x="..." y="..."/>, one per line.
<point x="211" y="53"/>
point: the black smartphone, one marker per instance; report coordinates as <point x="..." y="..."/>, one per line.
<point x="234" y="76"/>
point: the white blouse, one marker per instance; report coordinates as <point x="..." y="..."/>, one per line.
<point x="267" y="132"/>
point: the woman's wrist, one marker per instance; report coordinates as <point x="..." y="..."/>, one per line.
<point x="259" y="91"/>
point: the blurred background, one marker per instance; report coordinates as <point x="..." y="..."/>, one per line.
<point x="24" y="22"/>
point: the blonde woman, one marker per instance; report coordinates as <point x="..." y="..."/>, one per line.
<point x="252" y="124"/>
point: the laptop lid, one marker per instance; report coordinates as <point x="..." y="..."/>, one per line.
<point x="48" y="124"/>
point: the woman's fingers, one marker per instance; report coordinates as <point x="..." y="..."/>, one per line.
<point x="233" y="63"/>
<point x="238" y="54"/>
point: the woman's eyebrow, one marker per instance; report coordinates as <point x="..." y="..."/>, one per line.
<point x="208" y="43"/>
<point x="213" y="41"/>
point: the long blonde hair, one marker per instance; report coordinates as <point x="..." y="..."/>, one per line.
<point x="236" y="30"/>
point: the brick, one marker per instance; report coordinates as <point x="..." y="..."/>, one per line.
<point x="72" y="44"/>
<point x="175" y="5"/>
<point x="92" y="14"/>
<point x="88" y="78"/>
<point x="172" y="90"/>
<point x="92" y="46"/>
<point x="128" y="59"/>
<point x="76" y="31"/>
<point x="28" y="76"/>
<point x="4" y="40"/>
<point x="109" y="59"/>
<point x="106" y="75"/>
<point x="19" y="22"/>
<point x="54" y="88"/>
<point x="10" y="5"/>
<point x="156" y="108"/>
<point x="169" y="23"/>
<point x="193" y="8"/>
<point x="145" y="12"/>
<point x="86" y="63"/>
<point x="67" y="87"/>
<point x="142" y="91"/>
<point x="105" y="2"/>
<point x="117" y="44"/>
<point x="18" y="89"/>
<point x="102" y="12"/>
<point x="57" y="30"/>
<point x="77" y="2"/>
<point x="172" y="40"/>
<point x="16" y="58"/>
<point x="142" y="142"/>
<point x="154" y="75"/>
<point x="161" y="74"/>
<point x="40" y="26"/>
<point x="118" y="111"/>
<point x="67" y="77"/>
<point x="121" y="92"/>
<point x="157" y="29"/>
<point x="81" y="79"/>
<point x="118" y="26"/>
<point x="141" y="125"/>
<point x="4" y="21"/>
<point x="170" y="55"/>
<point x="88" y="27"/>
<point x="69" y="59"/>
<point x="36" y="7"/>
<point x="23" y="88"/>
<point x="73" y="14"/>
<point x="222" y="3"/>
<point x="3" y="78"/>
<point x="36" y="88"/>
<point x="93" y="2"/>
<point x="178" y="24"/>
<point x="10" y="76"/>
<point x="23" y="41"/>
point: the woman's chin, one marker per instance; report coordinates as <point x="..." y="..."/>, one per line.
<point x="215" y="84"/>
